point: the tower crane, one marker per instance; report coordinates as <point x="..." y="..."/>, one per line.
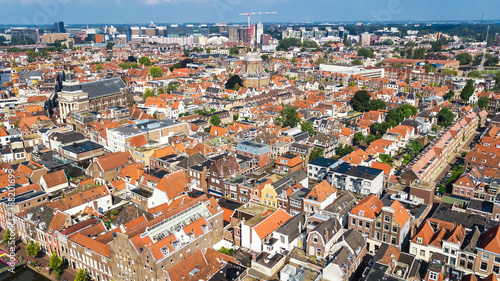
<point x="255" y="13"/>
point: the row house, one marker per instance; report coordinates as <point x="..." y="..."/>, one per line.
<point x="442" y="238"/>
<point x="423" y="166"/>
<point x="379" y="223"/>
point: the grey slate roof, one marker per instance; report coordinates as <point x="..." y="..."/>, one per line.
<point x="103" y="88"/>
<point x="293" y="227"/>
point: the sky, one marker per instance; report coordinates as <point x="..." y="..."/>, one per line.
<point x="46" y="12"/>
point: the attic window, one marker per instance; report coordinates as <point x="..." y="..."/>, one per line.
<point x="419" y="240"/>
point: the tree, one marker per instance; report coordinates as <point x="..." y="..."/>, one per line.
<point x="146" y="61"/>
<point x="234" y="51"/>
<point x="359" y="137"/>
<point x="288" y="117"/>
<point x="344" y="150"/>
<point x="361" y="100"/>
<point x="155" y="71"/>
<point x="483" y="102"/>
<point x="366" y="53"/>
<point x="161" y="91"/>
<point x="264" y="57"/>
<point x="474" y="74"/>
<point x="445" y="117"/>
<point x="370" y="138"/>
<point x="449" y="95"/>
<point x="148" y="93"/>
<point x="357" y="62"/>
<point x="467" y="91"/>
<point x="99" y="67"/>
<point x="233" y="81"/>
<point x="6" y="236"/>
<point x="377" y="104"/>
<point x="32" y="248"/>
<point x="155" y="115"/>
<point x="55" y="264"/>
<point x="464" y="58"/>
<point x="110" y="45"/>
<point x="215" y="120"/>
<point x="307" y="126"/>
<point x="316" y="153"/>
<point x="236" y="117"/>
<point x="81" y="275"/>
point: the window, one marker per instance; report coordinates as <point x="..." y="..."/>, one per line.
<point x="360" y="223"/>
<point x="496" y="269"/>
<point x="484" y="266"/>
<point x="387" y="218"/>
<point x="385" y="238"/>
<point x="433" y="275"/>
<point x="485" y="256"/>
<point x="419" y="240"/>
<point x="394" y="241"/>
<point x="497" y="259"/>
<point x="367" y="225"/>
<point x="377" y="224"/>
<point x="315" y="239"/>
<point x="446" y="250"/>
<point x="386" y="227"/>
<point x="377" y="235"/>
<point x="318" y="252"/>
<point x="353" y="221"/>
<point x="422" y="253"/>
<point x="395" y="229"/>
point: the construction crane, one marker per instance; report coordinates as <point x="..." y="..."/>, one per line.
<point x="481" y="65"/>
<point x="255" y="13"/>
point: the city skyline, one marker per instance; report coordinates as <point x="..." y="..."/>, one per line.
<point x="41" y="13"/>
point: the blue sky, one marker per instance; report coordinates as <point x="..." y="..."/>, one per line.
<point x="40" y="12"/>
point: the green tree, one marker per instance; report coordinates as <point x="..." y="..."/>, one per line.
<point x="172" y="87"/>
<point x="474" y="74"/>
<point x="155" y="71"/>
<point x="361" y="101"/>
<point x="316" y="153"/>
<point x="377" y="104"/>
<point x="148" y="93"/>
<point x="99" y="67"/>
<point x="464" y="58"/>
<point x="357" y="62"/>
<point x="288" y="117"/>
<point x="55" y="264"/>
<point x="467" y="91"/>
<point x="6" y="236"/>
<point x="81" y="275"/>
<point x="344" y="150"/>
<point x="161" y="91"/>
<point x="449" y="95"/>
<point x="445" y="117"/>
<point x="264" y="57"/>
<point x="155" y="115"/>
<point x="307" y="126"/>
<point x="110" y="45"/>
<point x="359" y="137"/>
<point x="234" y="51"/>
<point x="236" y="117"/>
<point x="483" y="102"/>
<point x="370" y="138"/>
<point x="146" y="61"/>
<point x="366" y="53"/>
<point x="215" y="120"/>
<point x="32" y="248"/>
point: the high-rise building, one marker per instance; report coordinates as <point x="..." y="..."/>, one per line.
<point x="260" y="31"/>
<point x="59" y="27"/>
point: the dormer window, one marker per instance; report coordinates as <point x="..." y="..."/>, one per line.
<point x="419" y="240"/>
